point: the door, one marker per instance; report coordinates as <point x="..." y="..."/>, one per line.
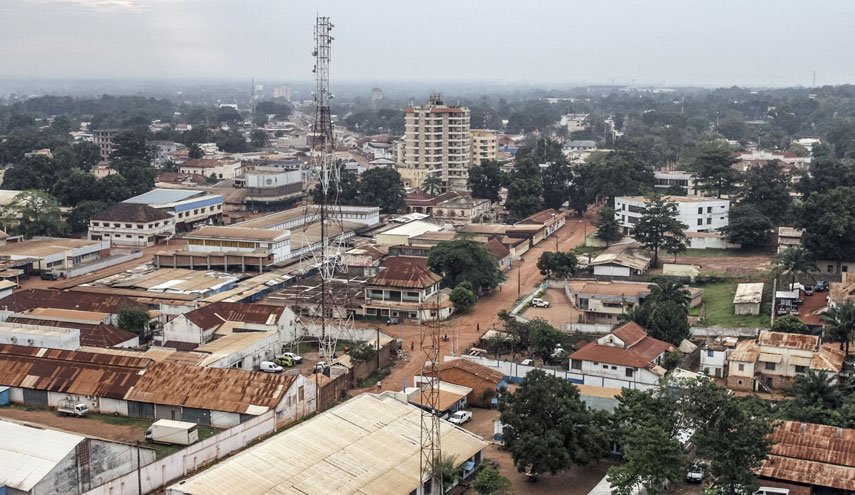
<point x="140" y="410"/>
<point x="35" y="397"/>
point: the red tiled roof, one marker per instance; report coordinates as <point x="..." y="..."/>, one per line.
<point x="473" y="368"/>
<point x="48" y="298"/>
<point x="497" y="249"/>
<point x="131" y="212"/>
<point x="540" y="217"/>
<point x="610" y="355"/>
<point x="651" y="348"/>
<point x="405" y="271"/>
<point x="630" y="333"/>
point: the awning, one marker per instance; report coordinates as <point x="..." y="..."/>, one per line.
<point x="800" y="361"/>
<point x="770" y="358"/>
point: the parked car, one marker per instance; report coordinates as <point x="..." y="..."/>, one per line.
<point x="296" y="357"/>
<point x="286" y="361"/>
<point x="821" y="286"/>
<point x="270" y="367"/>
<point x="320" y="367"/>
<point x="539" y="303"/>
<point x="808" y="290"/>
<point x="695" y="474"/>
<point x="393" y="321"/>
<point x="460" y="417"/>
<point x="49" y="276"/>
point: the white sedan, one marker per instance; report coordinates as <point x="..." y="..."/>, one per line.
<point x="296" y="357"/>
<point x="460" y="417"/>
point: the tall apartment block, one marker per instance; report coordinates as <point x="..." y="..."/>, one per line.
<point x="485" y="145"/>
<point x="437" y="143"/>
<point x="104" y="139"/>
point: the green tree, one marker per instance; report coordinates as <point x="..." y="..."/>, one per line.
<point x="734" y="440"/>
<point x="228" y="115"/>
<point x="486" y="180"/>
<point x="75" y="187"/>
<point x="547" y="426"/>
<point x="748" y="226"/>
<point x="668" y="321"/>
<point x="195" y="152"/>
<point x="790" y="324"/>
<point x="363" y="352"/>
<point x="37" y="215"/>
<point x="79" y="217"/>
<point x="658" y="221"/>
<point x="557" y="264"/>
<point x="840" y="324"/>
<point x="608" y="228"/>
<point x="489" y="481"/>
<point x="816" y="388"/>
<point x="347" y="192"/>
<point x="828" y="220"/>
<point x="432" y="185"/>
<point x="793" y="261"/>
<point x="525" y="187"/>
<point x="767" y="188"/>
<point x="713" y="167"/>
<point x="131" y="145"/>
<point x="113" y="189"/>
<point x="258" y="138"/>
<point x="542" y="338"/>
<point x="463" y="297"/>
<point x="465" y="260"/>
<point x="382" y="187"/>
<point x="652" y="458"/>
<point x="134" y="319"/>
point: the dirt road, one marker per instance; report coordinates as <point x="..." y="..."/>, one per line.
<point x="467" y="328"/>
<point x="125" y="430"/>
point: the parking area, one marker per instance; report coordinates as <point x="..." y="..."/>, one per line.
<point x="560" y="311"/>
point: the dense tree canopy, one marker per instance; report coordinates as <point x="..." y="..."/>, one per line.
<point x="659" y="222"/>
<point x="465" y="260"/>
<point x="525" y="187"/>
<point x="748" y="226"/>
<point x="828" y="220"/>
<point x="486" y="180"/>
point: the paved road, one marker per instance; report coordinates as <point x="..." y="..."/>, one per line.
<point x="467" y="328"/>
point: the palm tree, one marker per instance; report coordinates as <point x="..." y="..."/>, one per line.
<point x="816" y="388"/>
<point x="840" y="321"/>
<point x="432" y="185"/>
<point x="666" y="290"/>
<point x="794" y="260"/>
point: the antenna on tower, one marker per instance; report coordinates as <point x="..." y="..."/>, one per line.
<point x="430" y="457"/>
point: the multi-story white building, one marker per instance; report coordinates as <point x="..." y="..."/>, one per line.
<point x="277" y="243"/>
<point x="676" y="178"/>
<point x="698" y="214"/>
<point x="270" y="186"/>
<point x="188" y="207"/>
<point x="130" y="224"/>
<point x="436" y="143"/>
<point x="485" y="145"/>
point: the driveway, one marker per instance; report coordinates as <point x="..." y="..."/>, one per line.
<point x="560" y="311"/>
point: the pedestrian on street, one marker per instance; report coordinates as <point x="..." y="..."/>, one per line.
<point x="478" y="327"/>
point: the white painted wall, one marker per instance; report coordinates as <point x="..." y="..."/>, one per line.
<point x="68" y="338"/>
<point x="713" y="361"/>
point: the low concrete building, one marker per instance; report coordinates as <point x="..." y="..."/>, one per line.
<point x="406" y="289"/>
<point x="748" y="298"/>
<point x="269" y="187"/>
<point x="402" y="234"/>
<point x="485" y="382"/>
<point x="698" y="214"/>
<point x="220" y="169"/>
<point x="621" y="261"/>
<point x="715" y="354"/>
<point x="199" y="326"/>
<point x="189" y="208"/>
<point x="364" y="445"/>
<point x="449" y="397"/>
<point x="54" y="253"/>
<point x="237" y="241"/>
<point x="625" y="358"/>
<point x="130" y="224"/>
<point x="38" y="461"/>
<point x="774" y="360"/>
<point x="604" y="302"/>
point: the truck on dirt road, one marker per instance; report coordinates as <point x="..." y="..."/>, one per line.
<point x="172" y="432"/>
<point x="70" y="407"/>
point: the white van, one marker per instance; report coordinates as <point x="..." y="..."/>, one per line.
<point x="269" y="367"/>
<point x="771" y="490"/>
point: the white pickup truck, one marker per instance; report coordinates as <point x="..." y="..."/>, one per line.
<point x="68" y="407"/>
<point x="539" y="303"/>
<point x="460" y="417"/>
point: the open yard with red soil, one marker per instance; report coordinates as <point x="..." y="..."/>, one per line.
<point x="119" y="429"/>
<point x="560" y="311"/>
<point x="727" y="263"/>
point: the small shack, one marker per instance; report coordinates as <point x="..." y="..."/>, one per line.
<point x="748" y="298"/>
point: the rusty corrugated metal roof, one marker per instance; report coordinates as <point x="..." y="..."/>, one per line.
<point x="219" y="389"/>
<point x="72" y="372"/>
<point x="47" y="298"/>
<point x="404" y="271"/>
<point x="214" y="315"/>
<point x="812" y="454"/>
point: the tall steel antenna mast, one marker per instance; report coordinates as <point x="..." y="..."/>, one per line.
<point x="326" y="256"/>
<point x="430" y="457"/>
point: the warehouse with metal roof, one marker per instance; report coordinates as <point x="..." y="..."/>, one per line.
<point x="368" y="445"/>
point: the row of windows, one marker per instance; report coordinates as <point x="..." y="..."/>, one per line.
<point x="187" y="213"/>
<point x="773" y="367"/>
<point x="128" y="225"/>
<point x="220" y="243"/>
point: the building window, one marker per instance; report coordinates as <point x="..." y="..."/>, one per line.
<point x="844" y="268"/>
<point x="630" y="372"/>
<point x="741" y="367"/>
<point x="575" y="364"/>
<point x="605" y="366"/>
<point x="709" y="221"/>
<point x="301" y="393"/>
<point x="700" y="210"/>
<point x="700" y="221"/>
<point x="770" y="366"/>
<point x="710" y="353"/>
<point x="614" y="367"/>
<point x="801" y="369"/>
<point x="829" y="268"/>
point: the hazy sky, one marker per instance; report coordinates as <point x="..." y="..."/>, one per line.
<point x="670" y="42"/>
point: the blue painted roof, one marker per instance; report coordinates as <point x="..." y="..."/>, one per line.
<point x="164" y="196"/>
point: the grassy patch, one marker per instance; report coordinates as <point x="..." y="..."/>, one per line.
<point x="372" y="379"/>
<point x="723" y="253"/>
<point x="718" y="307"/>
